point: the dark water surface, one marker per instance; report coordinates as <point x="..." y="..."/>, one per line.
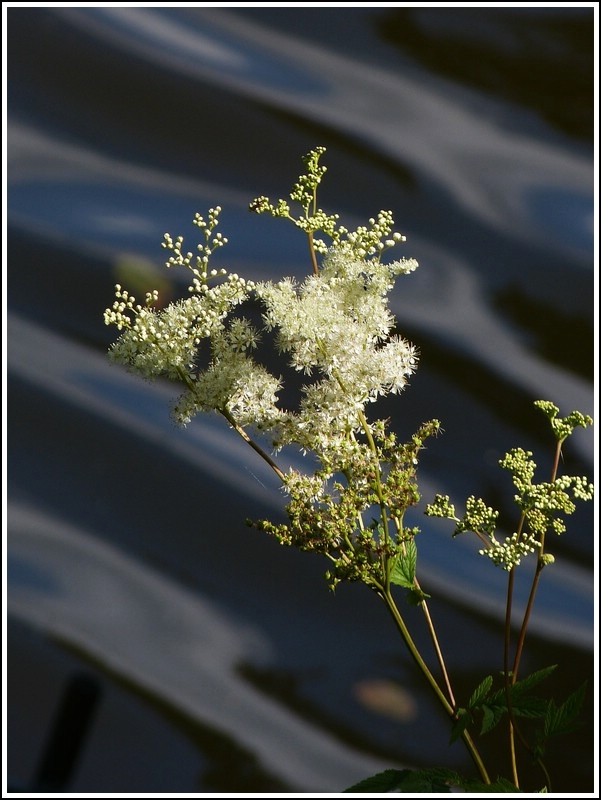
<point x="220" y="661"/>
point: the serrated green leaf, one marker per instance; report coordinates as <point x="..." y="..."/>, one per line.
<point x="403" y="572"/>
<point x="492" y="715"/>
<point x="519" y="687"/>
<point x="415" y="596"/>
<point x="386" y="781"/>
<point x="424" y="781"/>
<point x="532" y="707"/>
<point x="561" y="719"/>
<point x="538" y="750"/>
<point x="444" y="775"/>
<point x="463" y="720"/>
<point x="406" y="781"/>
<point x="521" y="706"/>
<point x="480" y="692"/>
<point x="501" y="785"/>
<point x="550" y="719"/>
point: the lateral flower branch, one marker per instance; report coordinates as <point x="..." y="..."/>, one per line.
<point x="336" y="329"/>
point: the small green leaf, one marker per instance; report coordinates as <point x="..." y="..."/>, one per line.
<point x="445" y="776"/>
<point x="532" y="707"/>
<point x="480" y="692"/>
<point x="473" y="786"/>
<point x="500" y="786"/>
<point x="406" y="781"/>
<point x="425" y="781"/>
<point x="562" y="719"/>
<point x="386" y="781"/>
<point x="463" y="720"/>
<point x="403" y="572"/>
<point x="532" y="680"/>
<point x="492" y="715"/>
<point x="416" y="596"/>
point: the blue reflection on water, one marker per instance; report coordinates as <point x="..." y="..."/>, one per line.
<point x="564" y="216"/>
<point x="190" y="42"/>
<point x="22" y="574"/>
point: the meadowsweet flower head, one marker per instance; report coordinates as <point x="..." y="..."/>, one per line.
<point x="441" y="506"/>
<point x="336" y="326"/>
<point x="165" y="342"/>
<point x="235" y="384"/>
<point x="509" y="553"/>
<point x="540" y="504"/>
<point x="563" y="427"/>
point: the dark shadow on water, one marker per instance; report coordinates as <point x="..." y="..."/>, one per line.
<point x="514" y="54"/>
<point x="562" y="338"/>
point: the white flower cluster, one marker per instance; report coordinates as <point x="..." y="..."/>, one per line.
<point x="200" y="267"/>
<point x="165" y="343"/>
<point x="336" y="326"/>
<point x="311" y="487"/>
<point x="237" y="385"/>
<point x="508" y="554"/>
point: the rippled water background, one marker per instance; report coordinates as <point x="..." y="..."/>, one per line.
<point x="220" y="660"/>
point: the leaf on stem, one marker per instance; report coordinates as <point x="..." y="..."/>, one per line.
<point x="533" y="680"/>
<point x="500" y="786"/>
<point x="407" y="781"/>
<point x="480" y="692"/>
<point x="562" y="719"/>
<point x="463" y="720"/>
<point x="403" y="572"/>
<point x="491" y="716"/>
<point x="423" y="781"/>
<point x="494" y="706"/>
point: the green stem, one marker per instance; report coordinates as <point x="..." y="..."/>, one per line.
<point x="257" y="448"/>
<point x="539" y="568"/>
<point x="437" y="649"/>
<point x="185" y="378"/>
<point x="556" y="460"/>
<point x="310" y="234"/>
<point x="522" y="637"/>
<point x="386" y="596"/>
<point x="313" y="256"/>
<point x="507" y="679"/>
<point x="429" y="624"/>
<point x="510" y="681"/>
<point x="379" y="493"/>
<point x="449" y="704"/>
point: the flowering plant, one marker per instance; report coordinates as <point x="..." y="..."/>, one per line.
<point x="336" y="329"/>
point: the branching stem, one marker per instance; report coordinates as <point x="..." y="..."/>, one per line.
<point x="257" y="448"/>
<point x="386" y="596"/>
